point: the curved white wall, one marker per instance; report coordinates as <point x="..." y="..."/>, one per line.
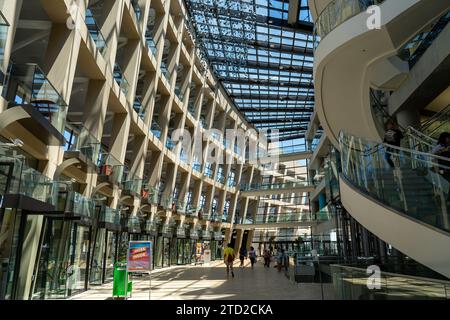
<point x="352" y="58"/>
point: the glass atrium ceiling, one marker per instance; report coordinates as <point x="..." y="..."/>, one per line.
<point x="264" y="63"/>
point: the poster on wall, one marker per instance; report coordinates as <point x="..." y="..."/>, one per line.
<point x="139" y="257"/>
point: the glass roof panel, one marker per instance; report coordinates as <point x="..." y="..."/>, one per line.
<point x="264" y="63"/>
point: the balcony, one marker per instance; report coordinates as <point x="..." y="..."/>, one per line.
<point x="218" y="235"/>
<point x="137" y="9"/>
<point x="170" y="144"/>
<point x="338" y="12"/>
<point x="151" y="227"/>
<point x="110" y="169"/>
<point x="179" y="93"/>
<point x="181" y="232"/>
<point x="151" y="43"/>
<point x="156" y="129"/>
<point x="4" y="26"/>
<point x="29" y="91"/>
<point x="109" y="218"/>
<point x="121" y="79"/>
<point x="76" y="206"/>
<point x="132" y="224"/>
<point x="86" y="147"/>
<point x="94" y="31"/>
<point x="24" y="187"/>
<point x="193" y="234"/>
<point x="191" y="109"/>
<point x="139" y="107"/>
<point x="132" y="185"/>
<point x="167" y="231"/>
<point x="206" y="235"/>
<point x="165" y="71"/>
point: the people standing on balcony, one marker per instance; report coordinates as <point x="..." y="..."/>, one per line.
<point x="252" y="255"/>
<point x="228" y="257"/>
<point x="242" y="256"/>
<point x="393" y="136"/>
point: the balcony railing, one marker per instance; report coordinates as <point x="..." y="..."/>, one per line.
<point x="133" y="184"/>
<point x="165" y="70"/>
<point x="88" y="145"/>
<point x="121" y="79"/>
<point x="336" y="13"/>
<point x="77" y="205"/>
<point x="191" y="109"/>
<point x="179" y="93"/>
<point x="151" y="43"/>
<point x="4" y="26"/>
<point x="110" y="168"/>
<point x="133" y="224"/>
<point x="151" y="226"/>
<point x="137" y="9"/>
<point x="170" y="144"/>
<point x="95" y="32"/>
<point x="109" y="215"/>
<point x="139" y="107"/>
<point x="156" y="129"/>
<point x="28" y="84"/>
<point x="26" y="181"/>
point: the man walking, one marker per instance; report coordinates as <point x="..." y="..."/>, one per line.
<point x="228" y="256"/>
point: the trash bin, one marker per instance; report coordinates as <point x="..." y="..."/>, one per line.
<point x="121" y="281"/>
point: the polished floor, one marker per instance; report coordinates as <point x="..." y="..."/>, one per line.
<point x="210" y="282"/>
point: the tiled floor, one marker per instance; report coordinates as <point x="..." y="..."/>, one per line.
<point x="210" y="283"/>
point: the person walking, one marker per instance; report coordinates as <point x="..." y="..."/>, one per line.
<point x="252" y="255"/>
<point x="267" y="257"/>
<point x="242" y="256"/>
<point x="281" y="256"/>
<point x="229" y="256"/>
<point x="393" y="136"/>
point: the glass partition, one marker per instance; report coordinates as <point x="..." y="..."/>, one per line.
<point x="85" y="143"/>
<point x="95" y="32"/>
<point x="109" y="215"/>
<point x="121" y="79"/>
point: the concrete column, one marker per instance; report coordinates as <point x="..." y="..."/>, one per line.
<point x="119" y="136"/>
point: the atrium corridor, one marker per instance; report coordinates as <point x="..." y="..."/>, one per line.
<point x="210" y="283"/>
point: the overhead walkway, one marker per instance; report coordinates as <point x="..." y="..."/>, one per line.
<point x="406" y="206"/>
<point x="350" y="59"/>
<point x="283" y="220"/>
<point x="261" y="189"/>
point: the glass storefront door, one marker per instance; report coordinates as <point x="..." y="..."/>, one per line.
<point x="166" y="249"/>
<point x="159" y="252"/>
<point x="80" y="247"/>
<point x="173" y="252"/>
<point x="98" y="253"/>
<point x="180" y="247"/>
<point x="9" y="229"/>
<point x="111" y="253"/>
<point x="187" y="252"/>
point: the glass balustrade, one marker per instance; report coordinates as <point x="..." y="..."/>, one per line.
<point x="23" y="180"/>
<point x="4" y="27"/>
<point x="276" y="186"/>
<point x="191" y="109"/>
<point x="88" y="145"/>
<point x="139" y="107"/>
<point x="133" y="184"/>
<point x="350" y="283"/>
<point x="79" y="205"/>
<point x="437" y="124"/>
<point x="28" y="85"/>
<point x="151" y="226"/>
<point x="133" y="224"/>
<point x="179" y="93"/>
<point x="170" y="144"/>
<point x="110" y="168"/>
<point x="95" y="32"/>
<point x="137" y="9"/>
<point x="121" y="79"/>
<point x="109" y="215"/>
<point x="151" y="43"/>
<point x="156" y="129"/>
<point x="416" y="185"/>
<point x="165" y="71"/>
<point x="336" y="13"/>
